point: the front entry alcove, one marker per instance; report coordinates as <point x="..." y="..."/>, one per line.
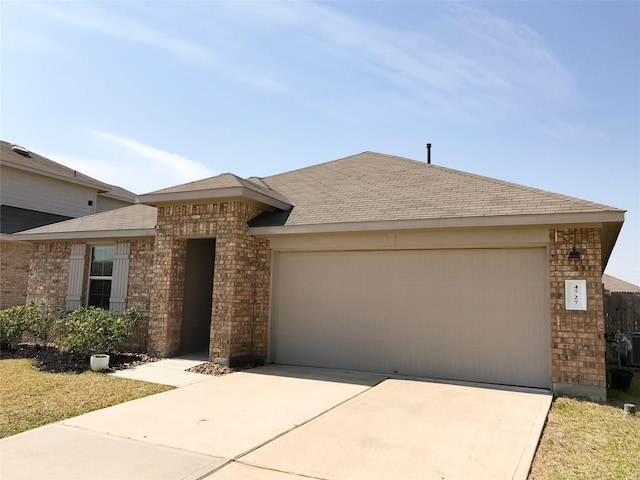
<point x="198" y="294"/>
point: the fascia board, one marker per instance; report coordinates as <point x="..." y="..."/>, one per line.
<point x="452" y="222"/>
<point x="141" y="232"/>
<point x="212" y="194"/>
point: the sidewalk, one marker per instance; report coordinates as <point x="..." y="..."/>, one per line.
<point x="167" y="372"/>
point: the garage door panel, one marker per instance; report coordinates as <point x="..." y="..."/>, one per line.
<point x="478" y="315"/>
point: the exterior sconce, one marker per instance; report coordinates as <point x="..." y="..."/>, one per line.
<point x="574" y="254"/>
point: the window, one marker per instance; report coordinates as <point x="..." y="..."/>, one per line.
<point x="100" y="276"/>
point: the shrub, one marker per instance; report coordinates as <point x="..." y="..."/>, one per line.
<point x="43" y="320"/>
<point x="86" y="331"/>
<point x="13" y="323"/>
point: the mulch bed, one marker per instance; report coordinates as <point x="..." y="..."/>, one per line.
<point x="50" y="359"/>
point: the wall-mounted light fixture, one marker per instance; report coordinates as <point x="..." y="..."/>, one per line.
<point x="574" y="254"/>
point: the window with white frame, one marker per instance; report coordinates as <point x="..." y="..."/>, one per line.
<point x="100" y="276"/>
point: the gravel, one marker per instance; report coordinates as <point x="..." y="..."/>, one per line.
<point x="216" y="369"/>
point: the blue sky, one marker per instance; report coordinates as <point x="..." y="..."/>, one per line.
<point x="151" y="94"/>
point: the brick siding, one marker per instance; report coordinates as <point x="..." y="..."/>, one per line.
<point x="14" y="272"/>
<point x="140" y="280"/>
<point x="49" y="273"/>
<point x="240" y="281"/>
<point x="49" y="277"/>
<point x="577" y="336"/>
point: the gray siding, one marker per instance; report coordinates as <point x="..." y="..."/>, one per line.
<point x="43" y="194"/>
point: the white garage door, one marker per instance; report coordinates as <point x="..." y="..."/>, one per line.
<point x="477" y="315"/>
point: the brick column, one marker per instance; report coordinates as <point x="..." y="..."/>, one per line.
<point x="165" y="318"/>
<point x="238" y="324"/>
<point x="578" y="361"/>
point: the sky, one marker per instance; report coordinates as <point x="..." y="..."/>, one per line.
<point x="151" y="94"/>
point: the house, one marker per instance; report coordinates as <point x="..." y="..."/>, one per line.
<point x="371" y="262"/>
<point x="621" y="305"/>
<point x="36" y="191"/>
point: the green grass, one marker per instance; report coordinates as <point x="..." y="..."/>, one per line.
<point x="29" y="398"/>
<point x="584" y="440"/>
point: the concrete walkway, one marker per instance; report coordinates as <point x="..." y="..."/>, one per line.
<point x="167" y="372"/>
<point x="291" y="423"/>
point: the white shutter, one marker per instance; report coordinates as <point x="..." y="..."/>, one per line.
<point x="76" y="275"/>
<point x="120" y="277"/>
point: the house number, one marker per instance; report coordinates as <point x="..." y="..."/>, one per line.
<point x="575" y="294"/>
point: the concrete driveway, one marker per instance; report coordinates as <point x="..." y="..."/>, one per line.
<point x="292" y="423"/>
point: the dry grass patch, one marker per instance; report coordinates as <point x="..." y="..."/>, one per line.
<point x="584" y="440"/>
<point x="29" y="398"/>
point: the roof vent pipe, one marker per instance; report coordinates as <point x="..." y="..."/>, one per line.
<point x="429" y="153"/>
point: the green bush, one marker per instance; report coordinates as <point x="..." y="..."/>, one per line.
<point x="14" y="321"/>
<point x="87" y="331"/>
<point x="43" y="320"/>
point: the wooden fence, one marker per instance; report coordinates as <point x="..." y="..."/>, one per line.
<point x="621" y="312"/>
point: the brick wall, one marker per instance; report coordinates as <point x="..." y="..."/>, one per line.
<point x="578" y="346"/>
<point x="49" y="277"/>
<point x="14" y="272"/>
<point x="140" y="280"/>
<point x="49" y="273"/>
<point x="240" y="281"/>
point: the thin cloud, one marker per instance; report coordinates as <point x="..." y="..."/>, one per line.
<point x="139" y="167"/>
<point x="470" y="63"/>
<point x="100" y="20"/>
<point x="103" y="21"/>
<point x="180" y="169"/>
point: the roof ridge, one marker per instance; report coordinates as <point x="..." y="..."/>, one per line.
<point x="265" y="180"/>
<point x="200" y="180"/>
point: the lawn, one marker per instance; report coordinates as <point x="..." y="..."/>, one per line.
<point x="29" y="398"/>
<point x="584" y="440"/>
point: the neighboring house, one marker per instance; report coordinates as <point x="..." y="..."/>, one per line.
<point x="36" y="191"/>
<point x="371" y="262"/>
<point x="621" y="305"/>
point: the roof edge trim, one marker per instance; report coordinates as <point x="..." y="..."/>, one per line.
<point x="451" y="222"/>
<point x="212" y="194"/>
<point x="79" y="235"/>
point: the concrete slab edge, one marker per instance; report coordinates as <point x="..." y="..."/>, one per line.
<point x="530" y="448"/>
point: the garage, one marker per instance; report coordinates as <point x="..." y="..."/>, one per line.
<point x="462" y="314"/>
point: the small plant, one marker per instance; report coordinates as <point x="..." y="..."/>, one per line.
<point x="43" y="320"/>
<point x="14" y="321"/>
<point x="87" y="331"/>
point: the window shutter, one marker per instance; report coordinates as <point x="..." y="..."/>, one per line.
<point x="76" y="274"/>
<point x="120" y="278"/>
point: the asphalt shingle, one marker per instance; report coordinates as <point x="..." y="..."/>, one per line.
<point x="376" y="187"/>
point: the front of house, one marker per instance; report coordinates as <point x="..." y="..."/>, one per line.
<point x="371" y="262"/>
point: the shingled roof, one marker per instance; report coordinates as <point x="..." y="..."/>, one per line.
<point x="368" y="191"/>
<point x="226" y="185"/>
<point x="373" y="187"/>
<point x="614" y="284"/>
<point x="133" y="221"/>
